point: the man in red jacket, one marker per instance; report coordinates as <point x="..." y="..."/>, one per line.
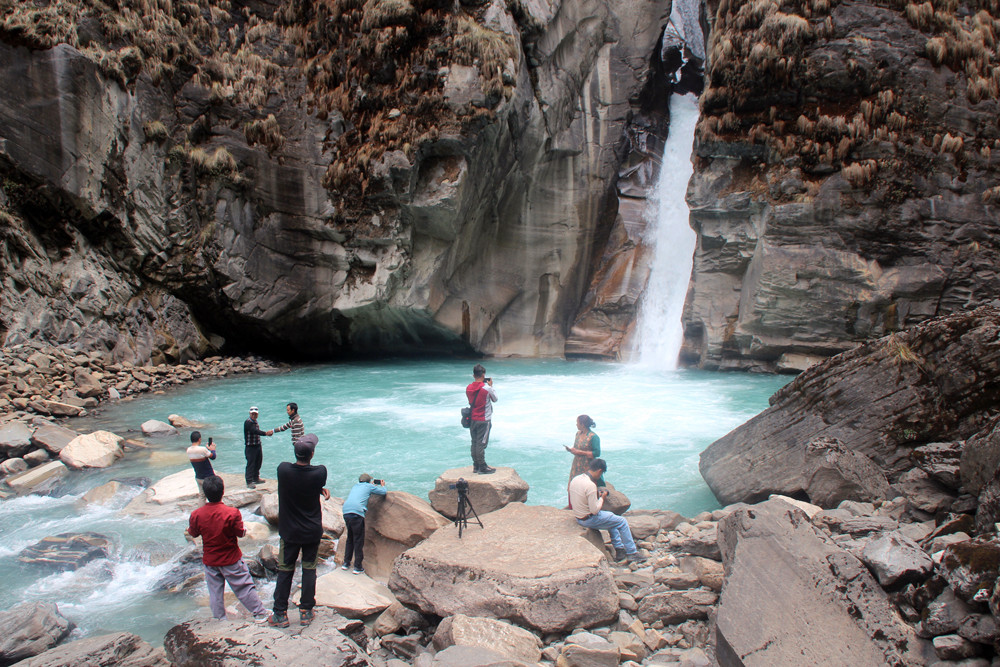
<point x="219" y="525"/>
<point x="481" y="397"/>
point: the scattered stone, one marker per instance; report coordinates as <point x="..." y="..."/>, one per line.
<point x="52" y="438"/>
<point x="944" y="615"/>
<point x="865" y="525"/>
<point x="470" y="656"/>
<point x="30" y="628"/>
<point x="95" y="450"/>
<point x="86" y="384"/>
<point x="36" y="458"/>
<point x="702" y="543"/>
<point x="710" y="573"/>
<point x="836" y="473"/>
<point x="121" y="649"/>
<point x="13" y="466"/>
<point x="979" y="628"/>
<point x="810" y="509"/>
<point x="66" y="551"/>
<point x="269" y="508"/>
<point x="511" y="569"/>
<point x="183" y="422"/>
<point x="487" y="493"/>
<point x="971" y="566"/>
<point x="674" y="607"/>
<point x="257" y="531"/>
<point x="352" y="596"/>
<point x="896" y="560"/>
<point x="101" y="495"/>
<point x="510" y="640"/>
<point x="923" y="492"/>
<point x="15" y="439"/>
<point x="155" y="428"/>
<point x="38" y="480"/>
<point x="953" y="647"/>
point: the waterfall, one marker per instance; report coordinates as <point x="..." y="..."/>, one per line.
<point x="669" y="233"/>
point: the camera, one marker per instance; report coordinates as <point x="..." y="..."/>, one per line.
<point x="378" y="482"/>
<point x="210" y="441"/>
<point x="461" y="486"/>
<point x="489" y="380"/>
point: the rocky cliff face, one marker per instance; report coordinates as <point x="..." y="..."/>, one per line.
<point x="845" y="183"/>
<point x="311" y="179"/>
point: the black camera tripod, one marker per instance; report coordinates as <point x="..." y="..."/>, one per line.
<point x="464" y="508"/>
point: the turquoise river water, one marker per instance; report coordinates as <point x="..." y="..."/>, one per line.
<point x="397" y="420"/>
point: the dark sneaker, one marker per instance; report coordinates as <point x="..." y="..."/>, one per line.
<point x="345" y="566"/>
<point x="359" y="570"/>
<point x="278" y="620"/>
<point x="259" y="481"/>
<point x="486" y="470"/>
<point x="636" y="557"/>
<point x="306" y="616"/>
<point x="619" y="555"/>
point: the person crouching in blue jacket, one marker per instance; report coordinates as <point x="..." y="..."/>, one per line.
<point x="355" y="507"/>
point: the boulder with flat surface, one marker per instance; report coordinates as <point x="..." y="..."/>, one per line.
<point x="39" y="479"/>
<point x="15" y="439"/>
<point x="52" y="438"/>
<point x="793" y="597"/>
<point x="487" y="493"/>
<point x="30" y="628"/>
<point x="179" y="493"/>
<point x="394" y="523"/>
<point x="233" y="643"/>
<point x="157" y="428"/>
<point x="532" y="565"/>
<point x="352" y="596"/>
<point x="500" y="636"/>
<point x="93" y="450"/>
<point x="896" y="560"/>
<point x="66" y="551"/>
<point x="120" y="649"/>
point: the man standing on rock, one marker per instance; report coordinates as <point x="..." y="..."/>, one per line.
<point x="201" y="460"/>
<point x="294" y="423"/>
<point x="355" y="508"/>
<point x="586" y="501"/>
<point x="252" y="449"/>
<point x="219" y="526"/>
<point x="481" y="396"/>
<point x="300" y="527"/>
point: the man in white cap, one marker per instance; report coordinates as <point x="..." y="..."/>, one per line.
<point x="252" y="449"/>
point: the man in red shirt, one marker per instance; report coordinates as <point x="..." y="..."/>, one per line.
<point x="219" y="525"/>
<point x="481" y="397"/>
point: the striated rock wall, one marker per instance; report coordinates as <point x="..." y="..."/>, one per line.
<point x="845" y="179"/>
<point x="310" y="180"/>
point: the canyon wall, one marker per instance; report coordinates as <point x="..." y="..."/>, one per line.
<point x="845" y="180"/>
<point x="311" y="179"/>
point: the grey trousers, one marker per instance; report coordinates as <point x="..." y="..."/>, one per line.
<point x="480" y="432"/>
<point x="239" y="580"/>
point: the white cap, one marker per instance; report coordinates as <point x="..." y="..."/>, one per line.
<point x="254" y="409"/>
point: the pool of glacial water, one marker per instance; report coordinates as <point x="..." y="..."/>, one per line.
<point x="395" y="419"/>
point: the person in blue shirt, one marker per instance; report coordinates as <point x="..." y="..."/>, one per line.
<point x="355" y="507"/>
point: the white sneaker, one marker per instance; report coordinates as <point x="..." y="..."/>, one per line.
<point x="345" y="567"/>
<point x="262" y="619"/>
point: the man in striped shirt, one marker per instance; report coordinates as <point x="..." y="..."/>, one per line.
<point x="294" y="423"/>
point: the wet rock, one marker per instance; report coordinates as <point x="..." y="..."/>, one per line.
<point x="179" y="493"/>
<point x="121" y="649"/>
<point x="487" y="493"/>
<point x="40" y="479"/>
<point x="268" y="557"/>
<point x="101" y="495"/>
<point x="95" y="450"/>
<point x="15" y="439"/>
<point x="812" y="602"/>
<point x="52" y="438"/>
<point x="352" y="596"/>
<point x="511" y="569"/>
<point x="30" y="628"/>
<point x="896" y="560"/>
<point x="257" y="531"/>
<point x="209" y="642"/>
<point x="66" y="551"/>
<point x="510" y="640"/>
<point x="156" y="428"/>
<point x="183" y="422"/>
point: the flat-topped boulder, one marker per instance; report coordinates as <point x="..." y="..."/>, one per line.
<point x="793" y="597"/>
<point x="30" y="628"/>
<point x="352" y="596"/>
<point x="224" y="643"/>
<point x="93" y="450"/>
<point x="40" y="479"/>
<point x="52" y="438"/>
<point x="179" y="492"/>
<point x="156" y="428"/>
<point x="513" y="642"/>
<point x="487" y="493"/>
<point x="119" y="649"/>
<point x="394" y="523"/>
<point x="15" y="439"/>
<point x="531" y="565"/>
<point x="66" y="551"/>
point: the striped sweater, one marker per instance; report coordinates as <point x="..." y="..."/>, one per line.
<point x="298" y="428"/>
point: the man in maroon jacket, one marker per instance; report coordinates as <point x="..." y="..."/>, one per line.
<point x="219" y="525"/>
<point x="481" y="396"/>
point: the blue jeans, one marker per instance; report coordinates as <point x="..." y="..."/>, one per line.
<point x="617" y="527"/>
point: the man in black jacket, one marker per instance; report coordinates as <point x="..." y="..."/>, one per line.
<point x="252" y="449"/>
<point x="300" y="527"/>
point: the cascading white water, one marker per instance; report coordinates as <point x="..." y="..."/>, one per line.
<point x="669" y="232"/>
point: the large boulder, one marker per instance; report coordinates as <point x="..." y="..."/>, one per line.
<point x="793" y="597"/>
<point x="157" y="428"/>
<point x="38" y="480"/>
<point x="510" y="640"/>
<point x="918" y="386"/>
<point x="30" y="628"/>
<point x="896" y="560"/>
<point x="93" y="450"/>
<point x="52" y="438"/>
<point x="120" y="649"/>
<point x="235" y="644"/>
<point x="487" y="493"/>
<point x="179" y="493"/>
<point x="394" y="523"/>
<point x="15" y="439"/>
<point x="532" y="565"/>
<point x="66" y="551"/>
<point x="352" y="596"/>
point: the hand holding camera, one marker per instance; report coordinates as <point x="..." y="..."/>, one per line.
<point x="378" y="482"/>
<point x="211" y="445"/>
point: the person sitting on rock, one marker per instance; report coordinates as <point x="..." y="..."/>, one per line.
<point x="219" y="526"/>
<point x="586" y="501"/>
<point x="355" y="508"/>
<point x="294" y="423"/>
<point x="201" y="460"/>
